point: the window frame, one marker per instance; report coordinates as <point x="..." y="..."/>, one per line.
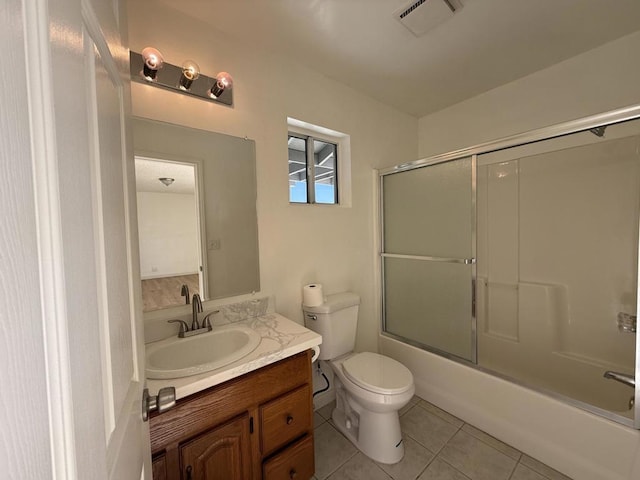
<point x="310" y="166"/>
<point x="342" y="141"/>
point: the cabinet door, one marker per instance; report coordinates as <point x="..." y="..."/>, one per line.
<point x="159" y="468"/>
<point x="223" y="453"/>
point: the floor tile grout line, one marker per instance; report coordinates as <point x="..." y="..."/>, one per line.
<point x="542" y="474"/>
<point x="342" y="464"/>
<point x="439" y="416"/>
<point x="488" y="444"/>
<point x="468" y="433"/>
<point x="513" y="470"/>
<point x="426" y="466"/>
<point x="442" y="459"/>
<point x="437" y="454"/>
<point x="352" y="455"/>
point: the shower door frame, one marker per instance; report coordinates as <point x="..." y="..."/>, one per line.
<point x="466" y="261"/>
<point x="534" y="136"/>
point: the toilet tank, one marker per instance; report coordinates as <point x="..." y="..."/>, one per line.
<point x="336" y="320"/>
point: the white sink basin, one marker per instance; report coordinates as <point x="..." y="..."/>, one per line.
<point x="181" y="357"/>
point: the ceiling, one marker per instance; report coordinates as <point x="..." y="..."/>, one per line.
<point x="487" y="43"/>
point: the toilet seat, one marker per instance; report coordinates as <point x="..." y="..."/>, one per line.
<point x="377" y="373"/>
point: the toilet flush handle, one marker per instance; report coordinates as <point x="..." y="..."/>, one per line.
<point x="312" y="317"/>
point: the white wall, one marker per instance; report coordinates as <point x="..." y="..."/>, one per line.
<point x="580" y="444"/>
<point x="602" y="79"/>
<point x="168" y="229"/>
<point x="298" y="244"/>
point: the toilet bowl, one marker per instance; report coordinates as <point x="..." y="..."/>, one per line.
<point x="370" y="388"/>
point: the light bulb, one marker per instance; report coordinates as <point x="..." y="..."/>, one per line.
<point x="223" y="81"/>
<point x="190" y="71"/>
<point x="153" y="61"/>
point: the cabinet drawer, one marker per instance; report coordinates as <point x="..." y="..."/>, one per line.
<point x="294" y="463"/>
<point x="285" y="418"/>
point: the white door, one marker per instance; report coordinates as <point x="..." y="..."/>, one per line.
<point x="85" y="196"/>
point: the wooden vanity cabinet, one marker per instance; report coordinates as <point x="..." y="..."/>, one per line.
<point x="257" y="426"/>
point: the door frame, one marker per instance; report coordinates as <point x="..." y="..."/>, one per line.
<point x="54" y="30"/>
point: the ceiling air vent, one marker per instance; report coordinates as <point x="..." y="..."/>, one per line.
<point x="423" y="15"/>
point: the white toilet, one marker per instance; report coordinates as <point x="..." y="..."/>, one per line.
<point x="370" y="388"/>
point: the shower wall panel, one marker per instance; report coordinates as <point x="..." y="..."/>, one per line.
<point x="557" y="256"/>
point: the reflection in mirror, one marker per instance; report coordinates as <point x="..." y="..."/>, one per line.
<point x="169" y="228"/>
<point x="207" y="237"/>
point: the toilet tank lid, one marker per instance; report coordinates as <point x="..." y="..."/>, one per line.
<point x="335" y="302"/>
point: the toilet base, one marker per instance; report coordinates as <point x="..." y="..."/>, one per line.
<point x="375" y="434"/>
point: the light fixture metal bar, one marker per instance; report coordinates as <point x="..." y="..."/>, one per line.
<point x="169" y="76"/>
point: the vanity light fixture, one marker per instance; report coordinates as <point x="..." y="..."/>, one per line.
<point x="223" y="81"/>
<point x="167" y="180"/>
<point x="150" y="68"/>
<point x="190" y="72"/>
<point x="152" y="62"/>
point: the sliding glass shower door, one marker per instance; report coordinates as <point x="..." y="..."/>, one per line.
<point x="428" y="256"/>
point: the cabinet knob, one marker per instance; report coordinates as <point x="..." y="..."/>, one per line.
<point x="289" y="421"/>
<point x="189" y="472"/>
<point x="292" y="473"/>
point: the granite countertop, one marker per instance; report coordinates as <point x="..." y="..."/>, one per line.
<point x="280" y="338"/>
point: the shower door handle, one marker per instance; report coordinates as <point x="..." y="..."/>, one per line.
<point x="629" y="380"/>
<point x="473" y="298"/>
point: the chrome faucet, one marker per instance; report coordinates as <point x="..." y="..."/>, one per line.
<point x="196" y="328"/>
<point x="197" y="308"/>
<point x="629" y="380"/>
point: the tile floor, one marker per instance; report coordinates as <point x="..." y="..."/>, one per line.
<point x="438" y="446"/>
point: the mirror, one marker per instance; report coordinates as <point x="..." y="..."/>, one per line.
<point x="199" y="226"/>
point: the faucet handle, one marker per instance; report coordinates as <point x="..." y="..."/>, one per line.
<point x="184" y="327"/>
<point x="206" y="322"/>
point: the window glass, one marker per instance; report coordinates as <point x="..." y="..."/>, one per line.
<point x="297" y="169"/>
<point x="325" y="172"/>
<point x="312" y="170"/>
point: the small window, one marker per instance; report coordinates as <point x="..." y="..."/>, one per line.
<point x="313" y="170"/>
